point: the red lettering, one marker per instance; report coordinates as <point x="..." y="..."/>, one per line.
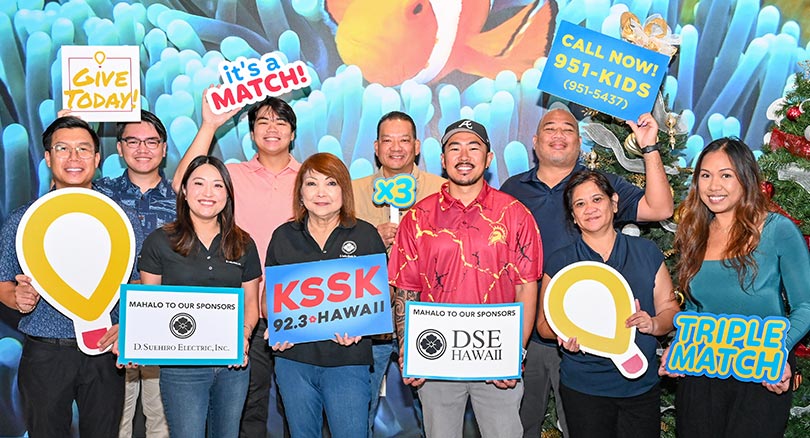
<point x="344" y="289"/>
<point x="363" y="282"/>
<point x="300" y="70"/>
<point x="242" y="93"/>
<point x="287" y="77"/>
<point x="282" y="297"/>
<point x="224" y="100"/>
<point x="310" y="289"/>
<point x="255" y="84"/>
<point x="268" y="85"/>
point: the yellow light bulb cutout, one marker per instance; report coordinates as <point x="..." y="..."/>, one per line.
<point x="78" y="247"/>
<point x="591" y="301"/>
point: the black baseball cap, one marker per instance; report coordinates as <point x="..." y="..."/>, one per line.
<point x="466" y="125"/>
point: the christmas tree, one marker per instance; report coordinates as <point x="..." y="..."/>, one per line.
<point x="785" y="161"/>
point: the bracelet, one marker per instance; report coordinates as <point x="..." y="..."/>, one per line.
<point x="250" y="329"/>
<point x="17" y="306"/>
<point x="648" y="149"/>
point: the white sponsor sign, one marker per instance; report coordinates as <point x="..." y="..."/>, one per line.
<point x="463" y="342"/>
<point x="173" y="325"/>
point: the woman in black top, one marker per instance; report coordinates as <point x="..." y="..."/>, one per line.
<point x="326" y="375"/>
<point x="204" y="247"/>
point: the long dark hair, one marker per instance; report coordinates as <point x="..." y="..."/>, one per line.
<point x="693" y="228"/>
<point x="181" y="232"/>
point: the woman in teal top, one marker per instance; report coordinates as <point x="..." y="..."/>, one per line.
<point x="737" y="258"/>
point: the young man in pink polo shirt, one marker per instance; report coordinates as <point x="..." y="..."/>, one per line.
<point x="263" y="193"/>
<point x="467" y="244"/>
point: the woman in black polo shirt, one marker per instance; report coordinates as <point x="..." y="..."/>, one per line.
<point x="204" y="247"/>
<point x="331" y="376"/>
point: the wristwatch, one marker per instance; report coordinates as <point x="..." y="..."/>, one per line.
<point x="648" y="149"/>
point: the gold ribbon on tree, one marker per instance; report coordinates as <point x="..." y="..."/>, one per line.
<point x="655" y="34"/>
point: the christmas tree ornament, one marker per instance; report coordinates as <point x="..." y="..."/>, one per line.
<point x="793" y="113"/>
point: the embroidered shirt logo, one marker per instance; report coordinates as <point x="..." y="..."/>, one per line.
<point x="349" y="247"/>
<point x="498" y="235"/>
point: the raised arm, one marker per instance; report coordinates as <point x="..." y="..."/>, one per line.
<point x="657" y="202"/>
<point x="202" y="141"/>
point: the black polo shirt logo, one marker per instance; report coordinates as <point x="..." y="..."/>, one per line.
<point x="349" y="247"/>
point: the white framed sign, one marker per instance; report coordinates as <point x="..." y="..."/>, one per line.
<point x="463" y="341"/>
<point x="181" y="325"/>
<point x="102" y="83"/>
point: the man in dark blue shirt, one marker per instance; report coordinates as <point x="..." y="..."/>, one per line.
<point x="53" y="372"/>
<point x="143" y="187"/>
<point x="557" y="145"/>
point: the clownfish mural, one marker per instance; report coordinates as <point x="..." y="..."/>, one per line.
<point x="424" y="40"/>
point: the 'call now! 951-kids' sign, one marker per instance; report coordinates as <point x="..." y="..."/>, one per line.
<point x="602" y="73"/>
<point x="312" y="301"/>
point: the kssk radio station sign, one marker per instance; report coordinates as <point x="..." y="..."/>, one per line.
<point x="312" y="301"/>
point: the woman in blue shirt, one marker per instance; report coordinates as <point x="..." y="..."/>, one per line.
<point x="737" y="258"/>
<point x="598" y="400"/>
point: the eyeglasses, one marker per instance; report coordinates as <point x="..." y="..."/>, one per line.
<point x="134" y="142"/>
<point x="63" y="151"/>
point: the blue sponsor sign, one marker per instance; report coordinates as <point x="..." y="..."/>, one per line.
<point x="181" y="325"/>
<point x="312" y="301"/>
<point x="603" y="73"/>
<point x="748" y="348"/>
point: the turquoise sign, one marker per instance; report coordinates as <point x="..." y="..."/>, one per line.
<point x="748" y="348"/>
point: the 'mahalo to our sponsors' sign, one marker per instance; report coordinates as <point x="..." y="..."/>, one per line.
<point x="102" y="83"/>
<point x="603" y="73"/>
<point x="181" y="325"/>
<point x="312" y="301"/>
<point x="463" y="341"/>
<point x="747" y="348"/>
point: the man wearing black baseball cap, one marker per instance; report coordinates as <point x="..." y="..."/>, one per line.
<point x="499" y="245"/>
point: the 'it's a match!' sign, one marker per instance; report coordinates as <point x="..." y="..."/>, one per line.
<point x="463" y="342"/>
<point x="312" y="301"/>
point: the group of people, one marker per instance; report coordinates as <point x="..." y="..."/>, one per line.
<point x="463" y="242"/>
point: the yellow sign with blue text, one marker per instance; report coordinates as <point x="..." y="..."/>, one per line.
<point x="747" y="348"/>
<point x="78" y="247"/>
<point x="590" y="301"/>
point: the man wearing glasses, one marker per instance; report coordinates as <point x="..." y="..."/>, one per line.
<point x="53" y="371"/>
<point x="144" y="188"/>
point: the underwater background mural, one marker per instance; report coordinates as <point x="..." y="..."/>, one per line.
<point x="437" y="60"/>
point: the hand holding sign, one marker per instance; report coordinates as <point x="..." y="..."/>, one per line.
<point x="399" y="191"/>
<point x="586" y="304"/>
<point x="77" y="246"/>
